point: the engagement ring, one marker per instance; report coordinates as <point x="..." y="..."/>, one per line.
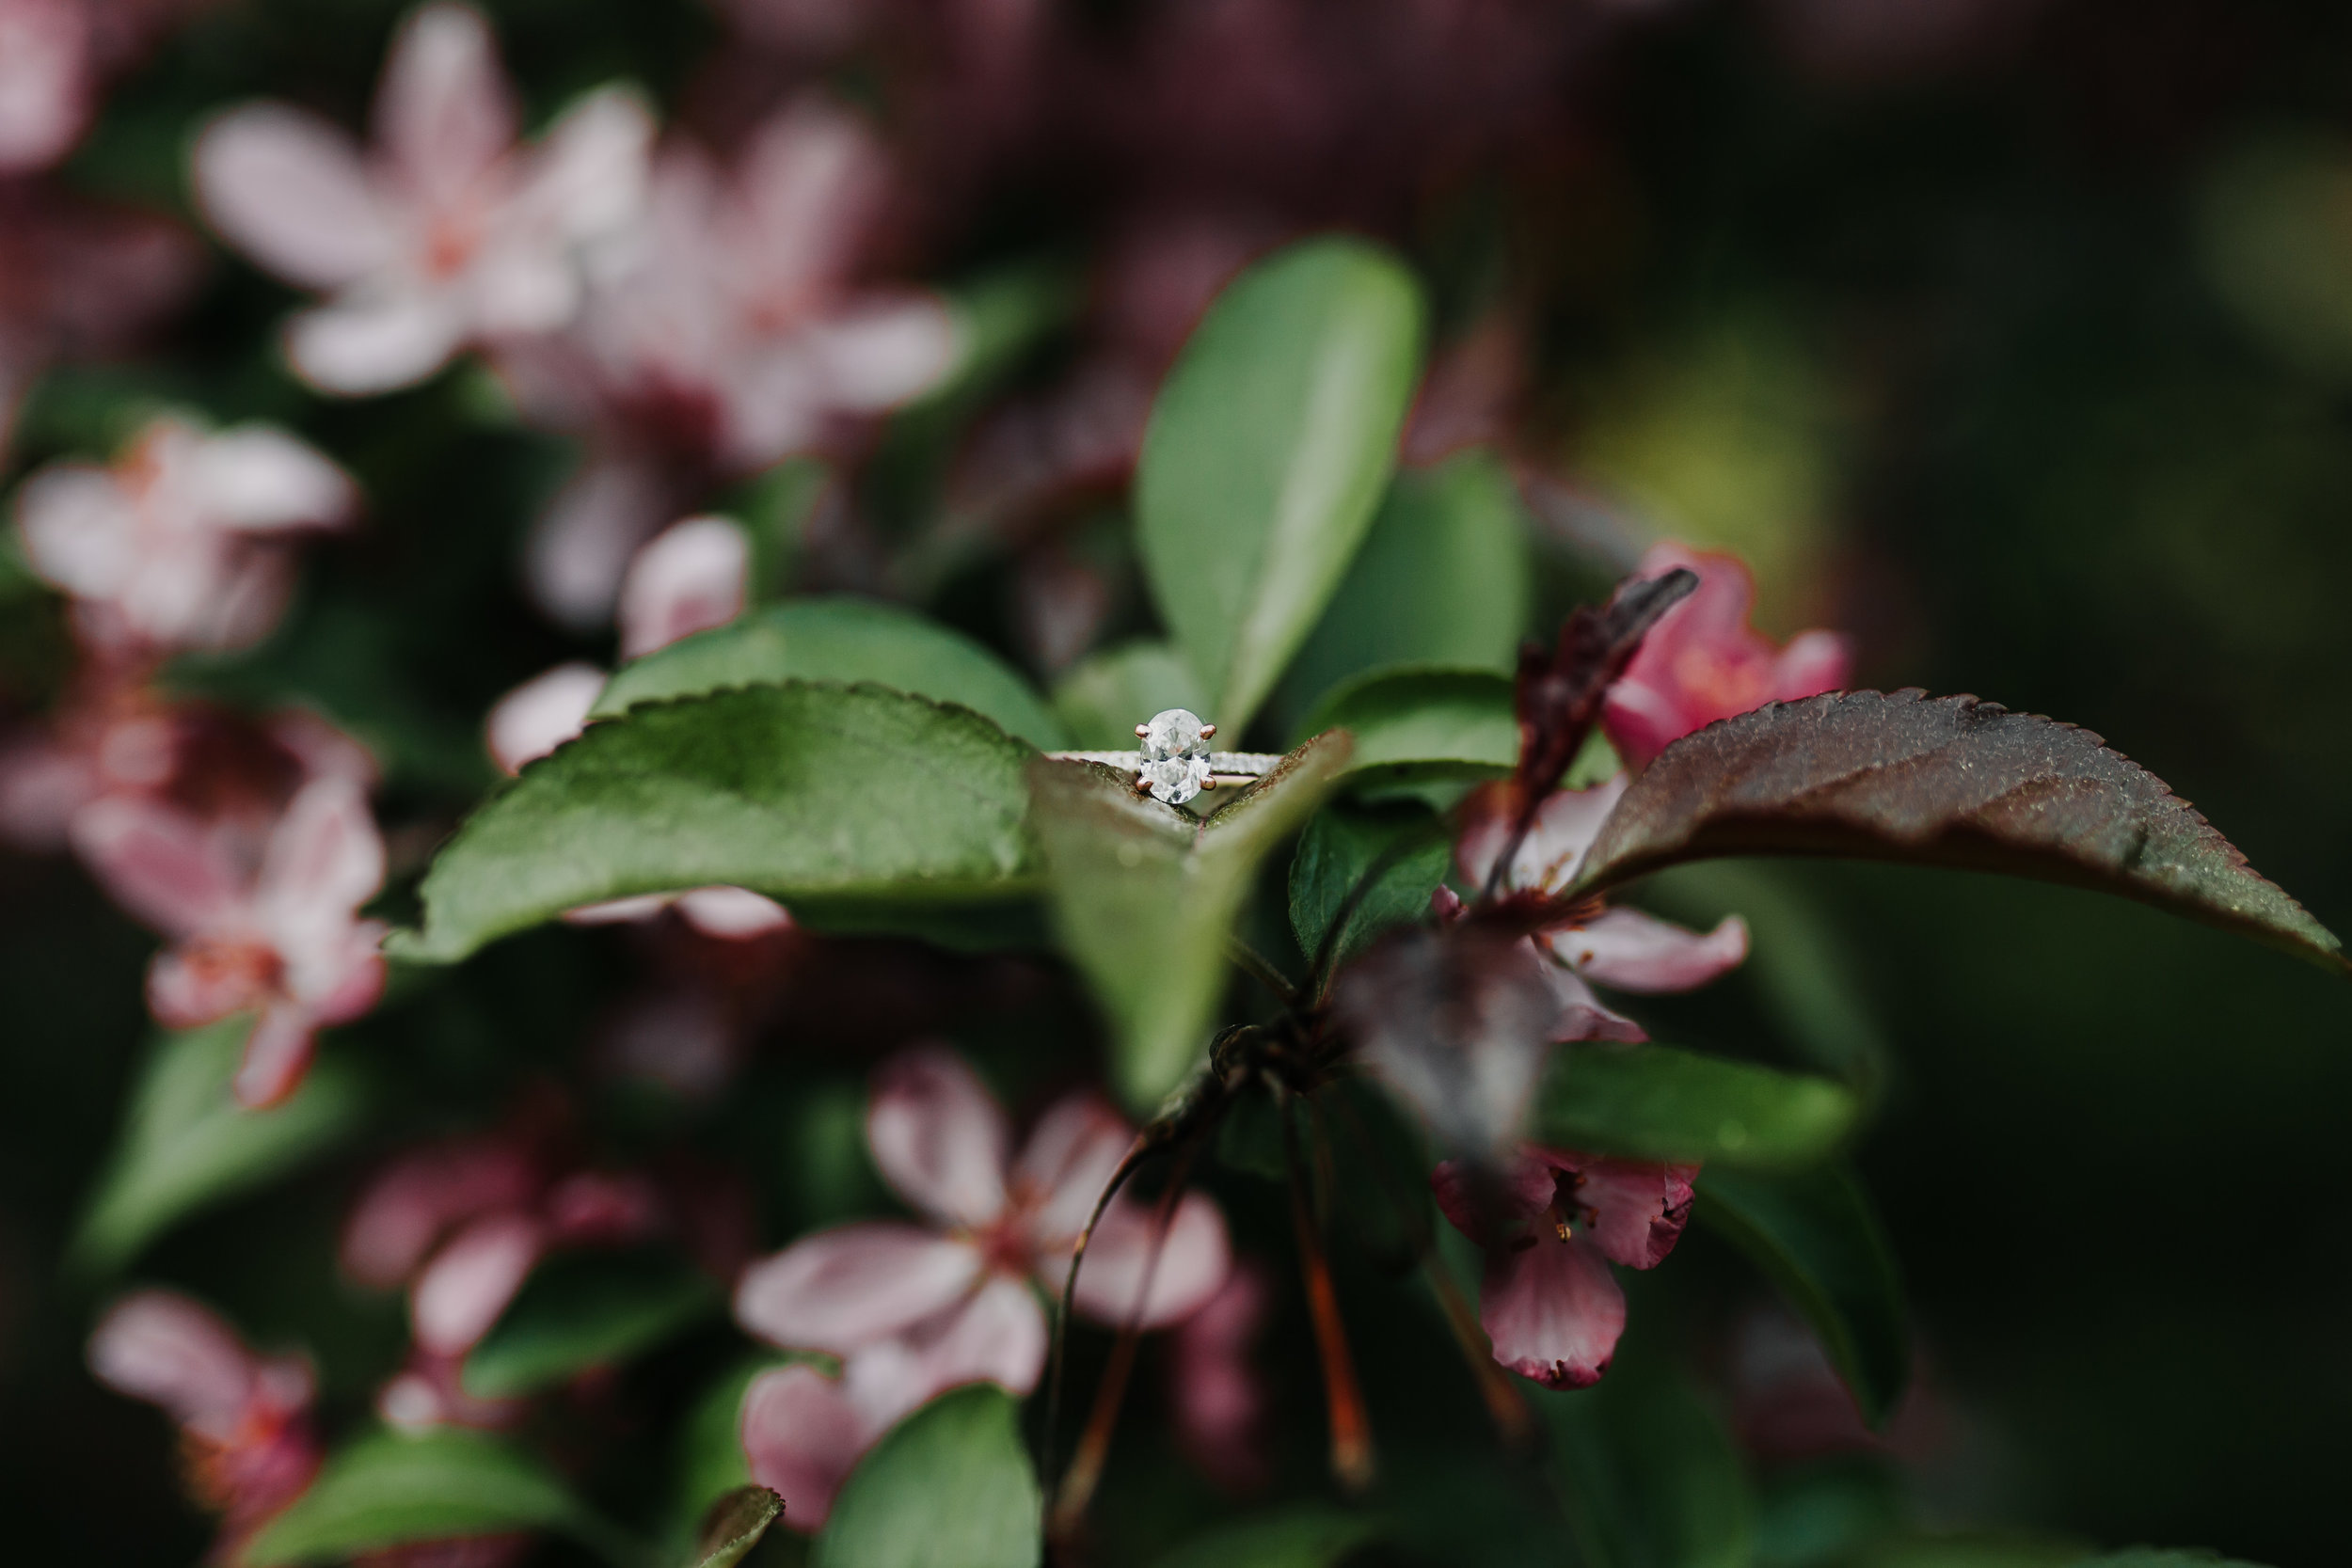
<point x="1176" y="764"/>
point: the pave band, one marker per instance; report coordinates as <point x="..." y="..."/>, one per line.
<point x="1223" y="765"/>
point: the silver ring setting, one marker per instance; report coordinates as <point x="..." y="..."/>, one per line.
<point x="1175" y="763"/>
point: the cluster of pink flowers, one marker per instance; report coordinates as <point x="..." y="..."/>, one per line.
<point x="910" y="1310"/>
<point x="1548" y="1300"/>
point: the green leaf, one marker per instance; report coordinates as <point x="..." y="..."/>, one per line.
<point x="1816" y="1236"/>
<point x="1659" y="1103"/>
<point x="1415" y="724"/>
<point x="1949" y="781"/>
<point x="949" y="1487"/>
<point x="585" y="1309"/>
<point x="735" y="1523"/>
<point x="1651" y="1477"/>
<point x="1340" y="848"/>
<point x="1103" y="698"/>
<point x="391" y="1487"/>
<point x="1144" y="899"/>
<point x="1310" y="1536"/>
<point x="775" y="506"/>
<point x="800" y="791"/>
<point x="840" y="639"/>
<point x="1444" y="578"/>
<point x="186" y="1144"/>
<point x="1267" y="451"/>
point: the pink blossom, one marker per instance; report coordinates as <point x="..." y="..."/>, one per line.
<point x="272" y="927"/>
<point x="693" y="576"/>
<point x="45" y="81"/>
<point x="461" y="1224"/>
<point x="729" y="335"/>
<point x="181" y="543"/>
<point x="1614" y="946"/>
<point x="1219" y="1399"/>
<point x="448" y="233"/>
<point x="541" y="714"/>
<point x="1551" y="1226"/>
<point x="1703" y="661"/>
<point x="911" y="1309"/>
<point x="248" y="1444"/>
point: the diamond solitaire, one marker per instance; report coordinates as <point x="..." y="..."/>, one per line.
<point x="1175" y="763"/>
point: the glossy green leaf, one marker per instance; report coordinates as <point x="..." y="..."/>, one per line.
<point x="1951" y="782"/>
<point x="1661" y="1103"/>
<point x="1445" y="579"/>
<point x="735" y="1525"/>
<point x="1342" y="845"/>
<point x="949" y="1487"/>
<point x="840" y="639"/>
<point x="1649" y="1474"/>
<point x="1305" y="1537"/>
<point x="1816" y="1234"/>
<point x="1144" y="897"/>
<point x="1105" y="697"/>
<point x="852" y="793"/>
<point x="186" y="1144"/>
<point x="1268" y="448"/>
<point x="391" y="1487"/>
<point x="1414" y="724"/>
<point x="585" y="1309"/>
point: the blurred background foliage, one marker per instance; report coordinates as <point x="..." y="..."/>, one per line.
<point x="2018" y="344"/>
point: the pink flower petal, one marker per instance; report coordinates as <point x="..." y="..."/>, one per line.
<point x="444" y="111"/>
<point x="1554" y="850"/>
<point x="689" y="578"/>
<point x="542" y="713"/>
<point x="1813" y="662"/>
<point x="1219" y="1403"/>
<point x="80" y="529"/>
<point x="1577" y="1013"/>
<point x="324" y="859"/>
<point x="1071" y="1156"/>
<point x="405" y="1209"/>
<point x="169" y="1350"/>
<point x="257" y="476"/>
<point x="802" y="1436"/>
<point x="375" y="341"/>
<point x="732" y="913"/>
<point x="938" y="1136"/>
<point x="810" y="184"/>
<point x="883" y="352"/>
<point x="159" y="864"/>
<point x="289" y="190"/>
<point x="276" y="1055"/>
<point x="1552" y="1311"/>
<point x="580" y="547"/>
<point x="45" y="82"/>
<point x="997" y="1335"/>
<point x="1192" y="1263"/>
<point x="589" y="176"/>
<point x="845" y="1289"/>
<point x="470" y="1280"/>
<point x="1637" y="952"/>
<point x="1634" y="1209"/>
<point x="1492" y="1212"/>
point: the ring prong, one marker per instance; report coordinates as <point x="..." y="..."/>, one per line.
<point x="1208" y="783"/>
<point x="1143" y="785"/>
<point x="1142" y="730"/>
<point x="1207" y="730"/>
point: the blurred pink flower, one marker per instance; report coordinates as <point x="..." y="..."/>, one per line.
<point x="1550" y="1227"/>
<point x="727" y="335"/>
<point x="450" y="234"/>
<point x="272" y="927"/>
<point x="1614" y="946"/>
<point x="245" y="1419"/>
<point x="690" y="578"/>
<point x="911" y="1309"/>
<point x="1703" y="661"/>
<point x="45" y="81"/>
<point x="461" y="1224"/>
<point x="181" y="543"/>
<point x="1218" y="1399"/>
<point x="541" y="714"/>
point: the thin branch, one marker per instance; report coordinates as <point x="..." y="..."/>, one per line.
<point x="1351" y="1431"/>
<point x="1261" y="969"/>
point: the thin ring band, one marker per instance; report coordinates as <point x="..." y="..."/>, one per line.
<point x="1222" y="764"/>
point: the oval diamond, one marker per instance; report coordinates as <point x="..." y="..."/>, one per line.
<point x="1174" y="733"/>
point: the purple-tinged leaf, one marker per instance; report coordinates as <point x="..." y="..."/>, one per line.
<point x="1948" y="781"/>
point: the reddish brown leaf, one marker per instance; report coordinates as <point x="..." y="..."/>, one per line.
<point x="1948" y="780"/>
